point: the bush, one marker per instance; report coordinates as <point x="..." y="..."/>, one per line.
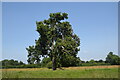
<point x="95" y="64"/>
<point x="45" y="61"/>
<point x="49" y="65"/>
<point x="31" y="66"/>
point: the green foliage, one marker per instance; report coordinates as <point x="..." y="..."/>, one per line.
<point x="33" y="55"/>
<point x="113" y="59"/>
<point x="92" y="62"/>
<point x="70" y="61"/>
<point x="67" y="61"/>
<point x="30" y="66"/>
<point x="11" y="63"/>
<point x="56" y="40"/>
<point x="45" y="61"/>
<point x="101" y="60"/>
<point x="49" y="65"/>
<point x="95" y="64"/>
<point x="15" y="64"/>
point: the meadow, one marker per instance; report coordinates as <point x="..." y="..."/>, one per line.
<point x="65" y="72"/>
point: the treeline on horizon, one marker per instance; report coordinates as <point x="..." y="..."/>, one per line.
<point x="111" y="59"/>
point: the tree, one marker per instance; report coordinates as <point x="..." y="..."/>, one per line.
<point x="113" y="59"/>
<point x="21" y="63"/>
<point x="56" y="39"/>
<point x="33" y="55"/>
<point x="11" y="63"/>
<point x="101" y="61"/>
<point x="92" y="61"/>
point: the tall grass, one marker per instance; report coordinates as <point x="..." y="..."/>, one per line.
<point x="66" y="73"/>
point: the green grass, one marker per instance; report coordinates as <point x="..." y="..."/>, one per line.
<point x="66" y="73"/>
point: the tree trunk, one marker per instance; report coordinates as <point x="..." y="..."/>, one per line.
<point x="54" y="63"/>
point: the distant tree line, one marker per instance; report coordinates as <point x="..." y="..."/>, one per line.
<point x="11" y="63"/>
<point x="111" y="59"/>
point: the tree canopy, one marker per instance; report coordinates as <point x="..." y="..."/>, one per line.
<point x="113" y="59"/>
<point x="56" y="40"/>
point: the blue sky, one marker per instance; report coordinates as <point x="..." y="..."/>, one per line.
<point x="96" y="23"/>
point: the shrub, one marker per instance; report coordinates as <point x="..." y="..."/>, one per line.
<point x="49" y="65"/>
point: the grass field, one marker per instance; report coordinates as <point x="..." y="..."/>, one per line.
<point x="70" y="72"/>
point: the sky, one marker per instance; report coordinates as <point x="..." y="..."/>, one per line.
<point x="60" y="0"/>
<point x="96" y="24"/>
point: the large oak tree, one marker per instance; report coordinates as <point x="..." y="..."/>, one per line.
<point x="56" y="40"/>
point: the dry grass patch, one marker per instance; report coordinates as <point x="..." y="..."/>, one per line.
<point x="24" y="69"/>
<point x="93" y="67"/>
